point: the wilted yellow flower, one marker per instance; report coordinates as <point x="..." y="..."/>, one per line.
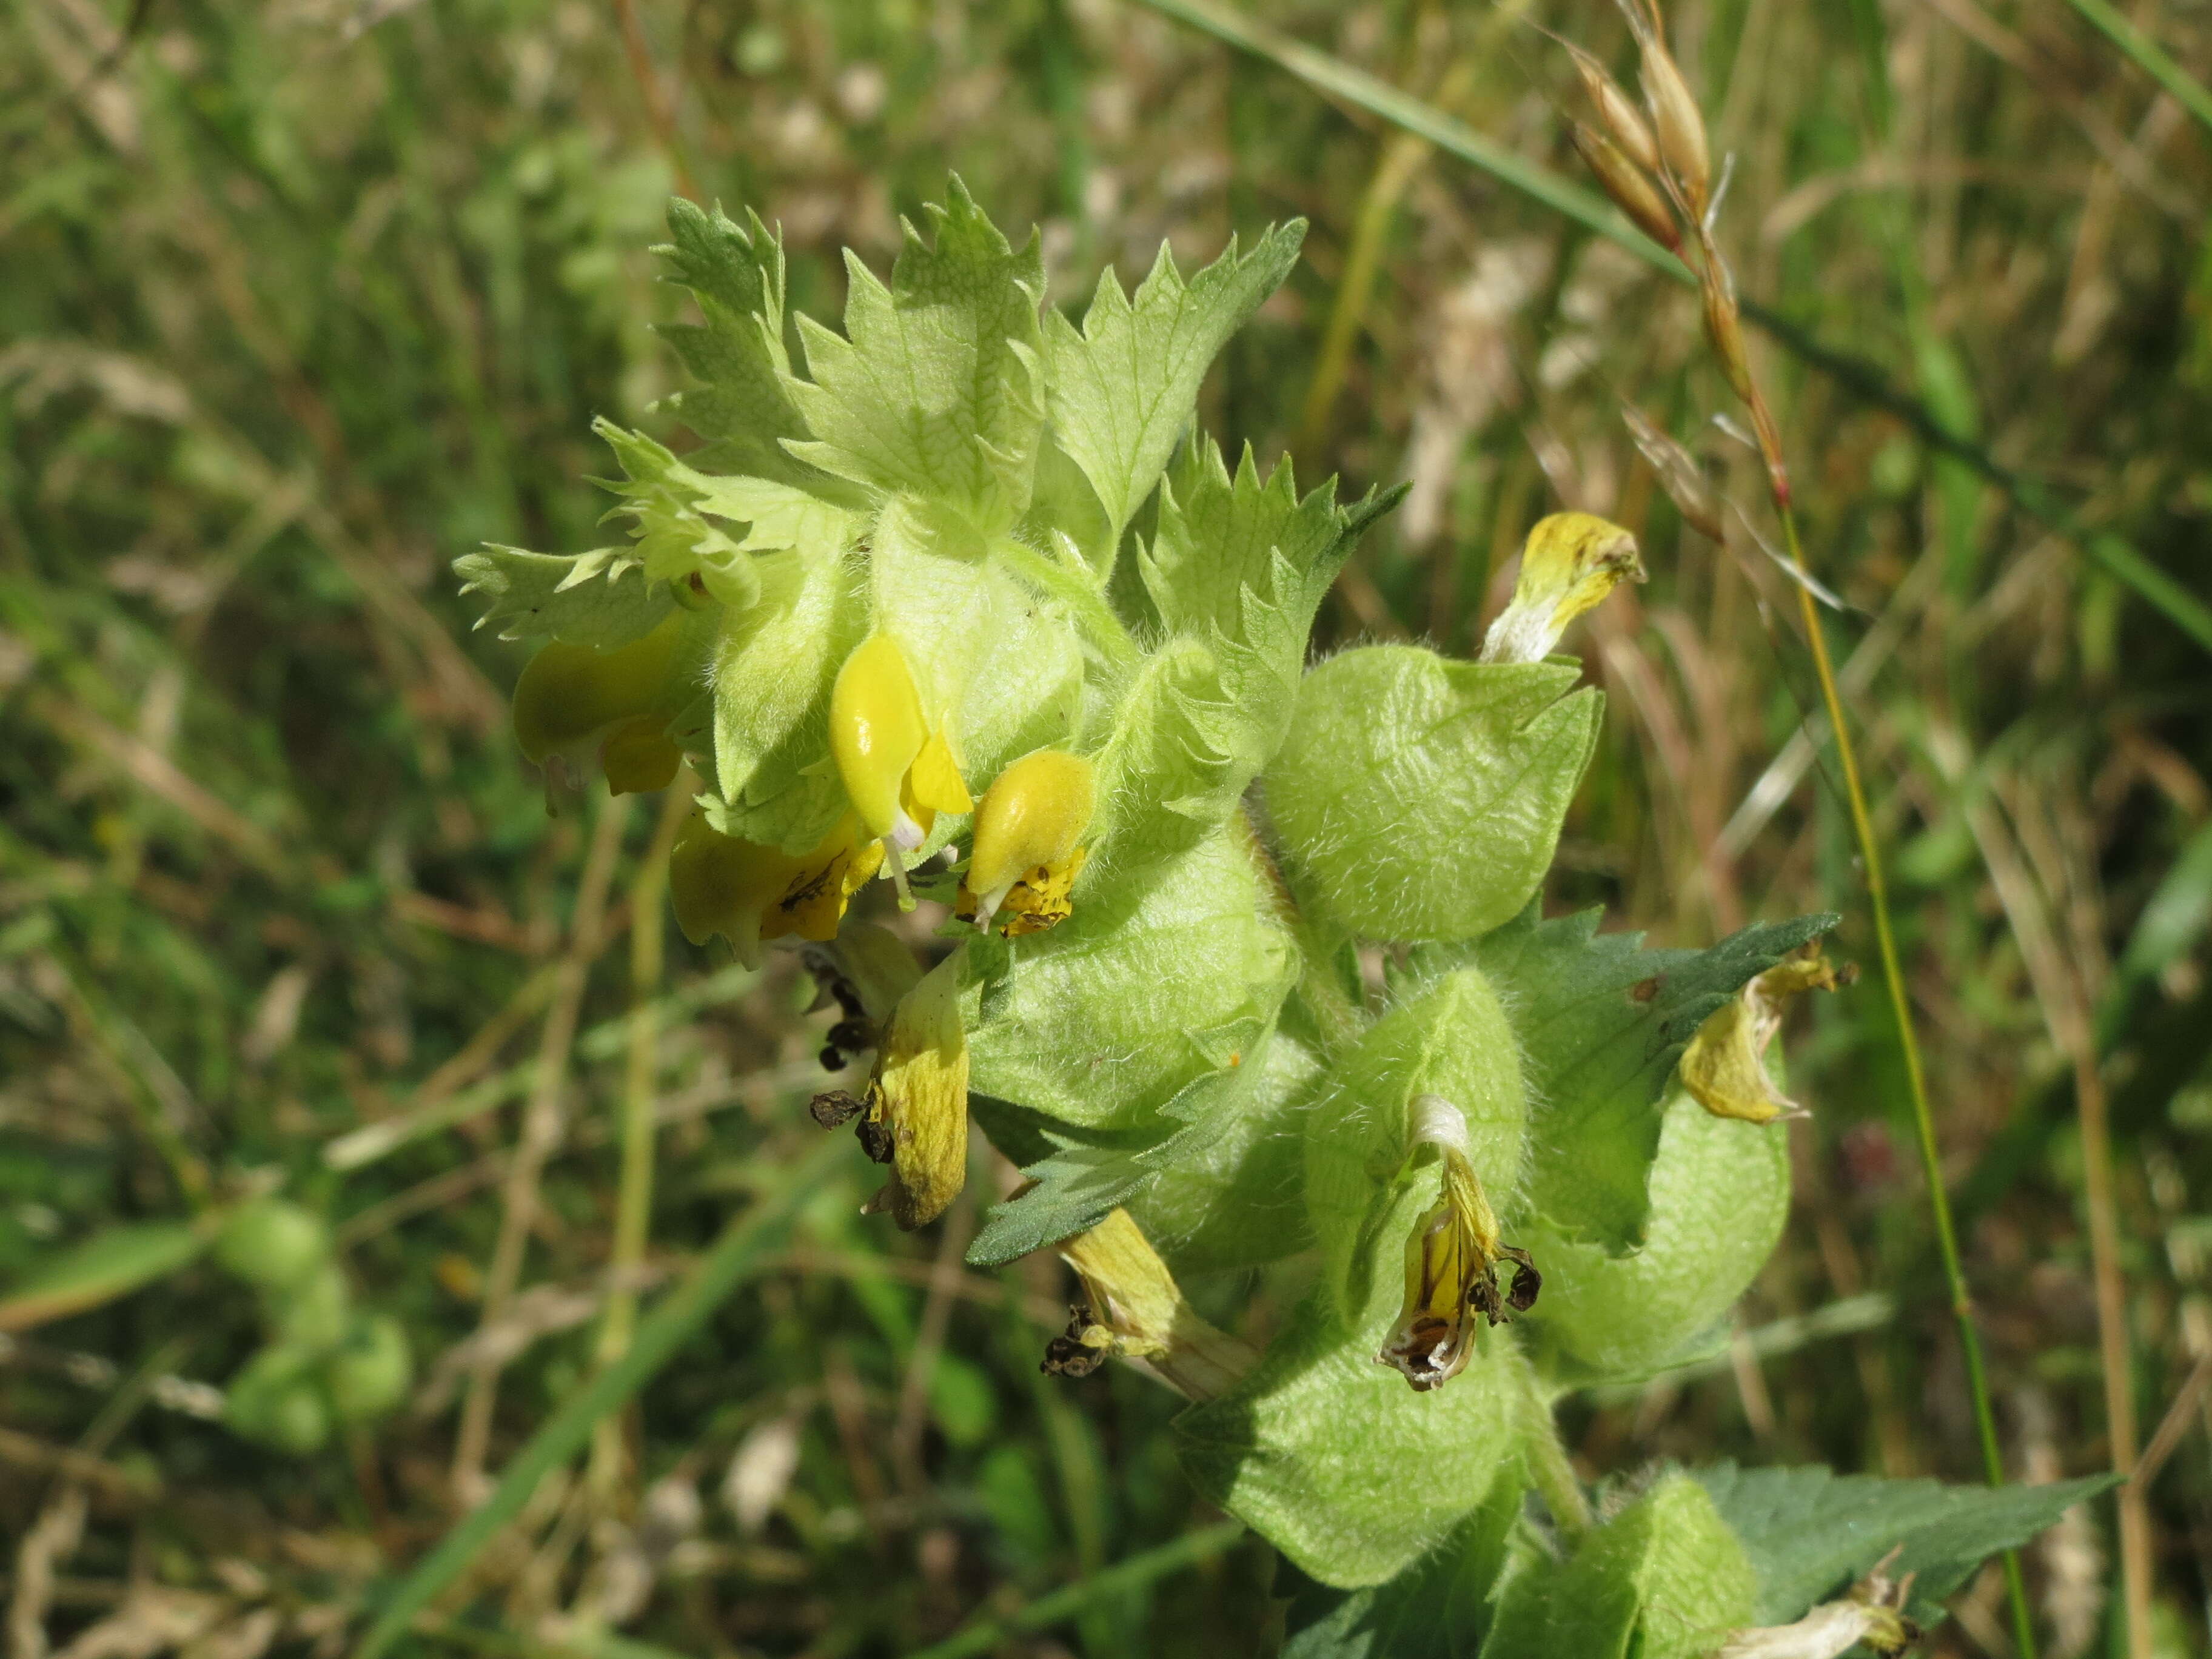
<point x="1026" y="854"/>
<point x="898" y="773"/>
<point x="1724" y="1067"/>
<point x="1872" y="1615"/>
<point x="572" y="697"/>
<point x="1451" y="1262"/>
<point x="749" y="893"/>
<point x="1569" y="561"/>
<point x="1136" y="1310"/>
<point x="917" y="1101"/>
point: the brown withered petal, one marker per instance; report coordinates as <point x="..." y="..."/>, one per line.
<point x="834" y="1108"/>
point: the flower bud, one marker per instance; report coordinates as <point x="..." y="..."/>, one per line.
<point x="1451" y="1262"/>
<point x="1569" y="561"/>
<point x="571" y="695"/>
<point x="1026" y="854"/>
<point x="1631" y="188"/>
<point x="898" y="773"/>
<point x="747" y="893"/>
<point x="1678" y="125"/>
<point x="1136" y="1310"/>
<point x="1724" y="1067"/>
<point x="917" y="1101"/>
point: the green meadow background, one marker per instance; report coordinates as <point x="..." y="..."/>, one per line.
<point x="301" y="300"/>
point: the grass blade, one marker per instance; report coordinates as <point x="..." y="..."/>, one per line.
<point x="1046" y="1611"/>
<point x="743" y="1247"/>
<point x="2148" y="56"/>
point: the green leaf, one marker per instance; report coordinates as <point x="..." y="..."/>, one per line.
<point x="1600" y="1022"/>
<point x="1121" y="391"/>
<point x="99" y="1269"/>
<point x="1663" y="1579"/>
<point x="1340" y="1465"/>
<point x="934" y="391"/>
<point x="1810" y="1533"/>
<point x="1719" y="1193"/>
<point x="1438" y="1608"/>
<point x="586" y="599"/>
<point x="1418" y="798"/>
<point x="742" y="407"/>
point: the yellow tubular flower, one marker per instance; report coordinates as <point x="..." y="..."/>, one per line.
<point x="1724" y="1067"/>
<point x="1569" y="561"/>
<point x="570" y="695"/>
<point x="1452" y="1262"/>
<point x="1026" y="856"/>
<point x="917" y="1101"/>
<point x="897" y="772"/>
<point x="1136" y="1310"/>
<point x="749" y="893"/>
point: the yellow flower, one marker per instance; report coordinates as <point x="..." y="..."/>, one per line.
<point x="571" y="696"/>
<point x="1569" y="561"/>
<point x="749" y="893"/>
<point x="1724" y="1067"/>
<point x="1452" y="1262"/>
<point x="1026" y="857"/>
<point x="917" y="1102"/>
<point x="1136" y="1310"/>
<point x="898" y="772"/>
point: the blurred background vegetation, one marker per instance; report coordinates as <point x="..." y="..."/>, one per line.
<point x="300" y="301"/>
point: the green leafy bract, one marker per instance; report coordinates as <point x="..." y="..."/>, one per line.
<point x="1418" y="798"/>
<point x="1236" y="570"/>
<point x="932" y="388"/>
<point x="1121" y="390"/>
<point x="1719" y="1193"/>
<point x="586" y="599"/>
<point x="1439" y="1608"/>
<point x="742" y="407"/>
<point x="1350" y="1473"/>
<point x="1128" y="1026"/>
<point x="1665" y="1578"/>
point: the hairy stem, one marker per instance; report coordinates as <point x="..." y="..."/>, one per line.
<point x="1550" y="1470"/>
